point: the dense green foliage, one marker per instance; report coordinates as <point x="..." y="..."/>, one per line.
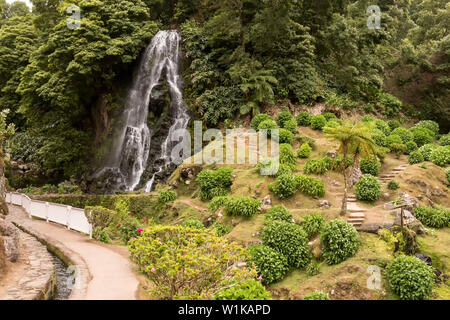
<point x="440" y="156"/>
<point x="433" y="217"/>
<point x="167" y="196"/>
<point x="214" y="183"/>
<point x="410" y="278"/>
<point x="288" y="239"/>
<point x="340" y="241"/>
<point x="304" y="151"/>
<point x="393" y="185"/>
<point x="193" y="224"/>
<point x="313" y="223"/>
<point x="317" y="296"/>
<point x="242" y="206"/>
<point x="368" y="188"/>
<point x="271" y="265"/>
<point x="247" y="290"/>
<point x="370" y="165"/>
<point x="279" y="213"/>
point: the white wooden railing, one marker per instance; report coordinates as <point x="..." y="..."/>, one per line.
<point x="72" y="218"/>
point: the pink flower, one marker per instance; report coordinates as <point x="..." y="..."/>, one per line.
<point x="119" y="225"/>
<point x="144" y="218"/>
<point x="146" y="222"/>
<point x="140" y="230"/>
<point x="129" y="214"/>
<point x="153" y="270"/>
<point x="260" y="278"/>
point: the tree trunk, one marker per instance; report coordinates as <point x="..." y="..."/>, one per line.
<point x="344" y="201"/>
<point x="3" y="205"/>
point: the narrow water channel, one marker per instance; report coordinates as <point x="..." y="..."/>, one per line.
<point x="63" y="280"/>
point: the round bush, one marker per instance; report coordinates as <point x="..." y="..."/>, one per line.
<point x="340" y="241"/>
<point x="398" y="149"/>
<point x="368" y="188"/>
<point x="304" y="151"/>
<point x="380" y="138"/>
<point x="304" y="119"/>
<point x="312" y="269"/>
<point x="283" y="117"/>
<point x="422" y="136"/>
<point x="242" y="206"/>
<point x="367" y="118"/>
<point x="285" y="136"/>
<point x="394" y="124"/>
<point x="370" y="165"/>
<point x="216" y="203"/>
<point x="430" y="125"/>
<point x="316" y="166"/>
<point x="214" y="183"/>
<point x="393" y="185"/>
<point x="426" y="151"/>
<point x="411" y="146"/>
<point x="440" y="156"/>
<point x="290" y="240"/>
<point x="318" y="295"/>
<point x="332" y="124"/>
<point x="394" y="139"/>
<point x="279" y="213"/>
<point x="287" y="155"/>
<point x="167" y="196"/>
<point x="410" y="278"/>
<point x="193" y="224"/>
<point x="290" y="125"/>
<point x="329" y="116"/>
<point x="383" y="126"/>
<point x="222" y="229"/>
<point x="312" y="224"/>
<point x="270" y="264"/>
<point x="256" y="121"/>
<point x="415" y="157"/>
<point x="433" y="217"/>
<point x="310" y="186"/>
<point x="318" y="122"/>
<point x="445" y="140"/>
<point x="247" y="290"/>
<point x="285" y="186"/>
<point x="268" y="125"/>
<point x="405" y="134"/>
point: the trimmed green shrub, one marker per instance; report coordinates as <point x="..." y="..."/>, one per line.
<point x="367" y="118"/>
<point x="285" y="136"/>
<point x="405" y="134"/>
<point x="368" y="188"/>
<point x="316" y="166"/>
<point x="268" y="125"/>
<point x="383" y="126"/>
<point x="283" y="117"/>
<point x="415" y="157"/>
<point x="242" y="206"/>
<point x="340" y="241"/>
<point x="433" y="217"/>
<point x="287" y="155"/>
<point x="304" y="119"/>
<point x="312" y="224"/>
<point x="430" y="125"/>
<point x="370" y="165"/>
<point x="329" y="116"/>
<point x="167" y="196"/>
<point x="312" y="269"/>
<point x="216" y="203"/>
<point x="304" y="151"/>
<point x="214" y="183"/>
<point x="447" y="174"/>
<point x="310" y="186"/>
<point x="392" y="105"/>
<point x="380" y="138"/>
<point x="222" y="229"/>
<point x="270" y="264"/>
<point x="410" y="278"/>
<point x="445" y="140"/>
<point x="247" y="290"/>
<point x="422" y="136"/>
<point x="290" y="240"/>
<point x="290" y="125"/>
<point x="393" y="185"/>
<point x="394" y="139"/>
<point x="279" y="213"/>
<point x="318" y="122"/>
<point x="426" y="150"/>
<point x="440" y="156"/>
<point x="394" y="124"/>
<point x="194" y="224"/>
<point x="411" y="146"/>
<point x="285" y="186"/>
<point x="99" y="217"/>
<point x="398" y="149"/>
<point x="258" y="119"/>
<point x="318" y="295"/>
<point x="302" y="138"/>
<point x="332" y="124"/>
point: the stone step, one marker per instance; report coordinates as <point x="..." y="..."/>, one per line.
<point x="356" y="220"/>
<point x="356" y="224"/>
<point x="357" y="215"/>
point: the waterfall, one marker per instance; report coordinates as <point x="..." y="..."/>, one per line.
<point x="159" y="67"/>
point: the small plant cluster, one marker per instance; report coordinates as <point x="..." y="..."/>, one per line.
<point x="415" y="157"/>
<point x="317" y="122"/>
<point x="318" y="295"/>
<point x="313" y="224"/>
<point x="433" y="217"/>
<point x="304" y="151"/>
<point x="167" y="196"/>
<point x="236" y="206"/>
<point x="393" y="185"/>
<point x="447" y="174"/>
<point x="194" y="224"/>
<point x="278" y="213"/>
<point x="371" y="165"/>
<point x="214" y="183"/>
<point x="287" y="185"/>
<point x="440" y="156"/>
<point x="270" y="264"/>
<point x="410" y="278"/>
<point x="340" y="241"/>
<point x="246" y="290"/>
<point x="368" y="188"/>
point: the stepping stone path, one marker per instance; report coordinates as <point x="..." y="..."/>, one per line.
<point x="357" y="214"/>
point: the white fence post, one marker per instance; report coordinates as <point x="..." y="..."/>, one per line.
<point x="69" y="210"/>
<point x="47" y="205"/>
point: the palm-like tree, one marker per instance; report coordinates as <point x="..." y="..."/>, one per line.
<point x="356" y="140"/>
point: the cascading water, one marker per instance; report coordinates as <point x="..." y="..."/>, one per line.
<point x="159" y="67"/>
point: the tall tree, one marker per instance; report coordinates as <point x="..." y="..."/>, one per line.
<point x="6" y="131"/>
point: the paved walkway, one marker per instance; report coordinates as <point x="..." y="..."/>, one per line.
<point x="107" y="274"/>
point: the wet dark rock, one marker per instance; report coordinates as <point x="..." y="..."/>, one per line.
<point x="425" y="258"/>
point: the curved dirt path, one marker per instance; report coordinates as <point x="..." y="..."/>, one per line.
<point x="110" y="274"/>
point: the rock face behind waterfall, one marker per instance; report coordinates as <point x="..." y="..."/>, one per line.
<point x="153" y="110"/>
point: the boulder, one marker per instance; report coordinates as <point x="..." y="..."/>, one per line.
<point x="332" y="154"/>
<point x="2" y="256"/>
<point x="370" y="227"/>
<point x="10" y="236"/>
<point x="267" y="201"/>
<point x="316" y="248"/>
<point x="425" y="258"/>
<point x="417" y="227"/>
<point x="324" y="204"/>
